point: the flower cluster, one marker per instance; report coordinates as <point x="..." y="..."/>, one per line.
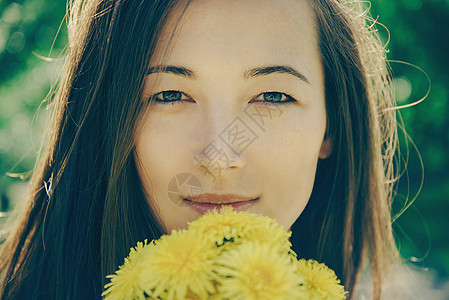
<point x="222" y="255"/>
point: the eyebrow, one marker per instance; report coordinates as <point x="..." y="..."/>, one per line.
<point x="250" y="73"/>
<point x="172" y="70"/>
<point x="261" y="71"/>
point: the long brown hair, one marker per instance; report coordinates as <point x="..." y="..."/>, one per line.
<point x="74" y="234"/>
<point x="348" y="217"/>
<point x="78" y="226"/>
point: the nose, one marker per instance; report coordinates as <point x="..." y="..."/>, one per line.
<point x="222" y="152"/>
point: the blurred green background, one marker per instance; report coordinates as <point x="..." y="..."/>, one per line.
<point x="419" y="35"/>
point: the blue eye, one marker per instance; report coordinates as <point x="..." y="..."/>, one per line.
<point x="274" y="98"/>
<point x="170" y="97"/>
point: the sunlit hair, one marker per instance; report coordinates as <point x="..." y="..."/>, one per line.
<point x="348" y="217"/>
<point x="70" y="236"/>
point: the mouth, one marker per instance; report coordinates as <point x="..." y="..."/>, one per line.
<point x="205" y="202"/>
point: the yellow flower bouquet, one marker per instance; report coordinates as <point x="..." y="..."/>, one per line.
<point x="222" y="255"/>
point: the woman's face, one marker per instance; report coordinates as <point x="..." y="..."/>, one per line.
<point x="239" y="113"/>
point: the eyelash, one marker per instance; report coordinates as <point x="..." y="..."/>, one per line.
<point x="290" y="98"/>
<point x="172" y="103"/>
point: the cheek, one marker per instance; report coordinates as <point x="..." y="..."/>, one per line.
<point x="290" y="157"/>
<point x="157" y="152"/>
<point x="161" y="154"/>
<point x="295" y="141"/>
<point x="287" y="155"/>
<point x="165" y="147"/>
<point x="163" y="143"/>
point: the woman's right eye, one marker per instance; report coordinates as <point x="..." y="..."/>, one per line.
<point x="171" y="97"/>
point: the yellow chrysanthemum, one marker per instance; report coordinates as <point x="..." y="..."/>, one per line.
<point x="269" y="231"/>
<point x="320" y="282"/>
<point x="256" y="271"/>
<point x="180" y="265"/>
<point x="188" y="265"/>
<point x="124" y="283"/>
<point x="227" y="224"/>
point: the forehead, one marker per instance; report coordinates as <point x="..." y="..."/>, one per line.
<point x="236" y="31"/>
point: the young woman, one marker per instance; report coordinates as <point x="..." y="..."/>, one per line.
<point x="276" y="107"/>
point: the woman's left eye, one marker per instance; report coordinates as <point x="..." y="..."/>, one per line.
<point x="273" y="98"/>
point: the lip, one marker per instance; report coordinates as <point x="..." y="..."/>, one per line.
<point x="212" y="198"/>
<point x="205" y="202"/>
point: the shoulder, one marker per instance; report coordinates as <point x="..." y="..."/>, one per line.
<point x="403" y="282"/>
